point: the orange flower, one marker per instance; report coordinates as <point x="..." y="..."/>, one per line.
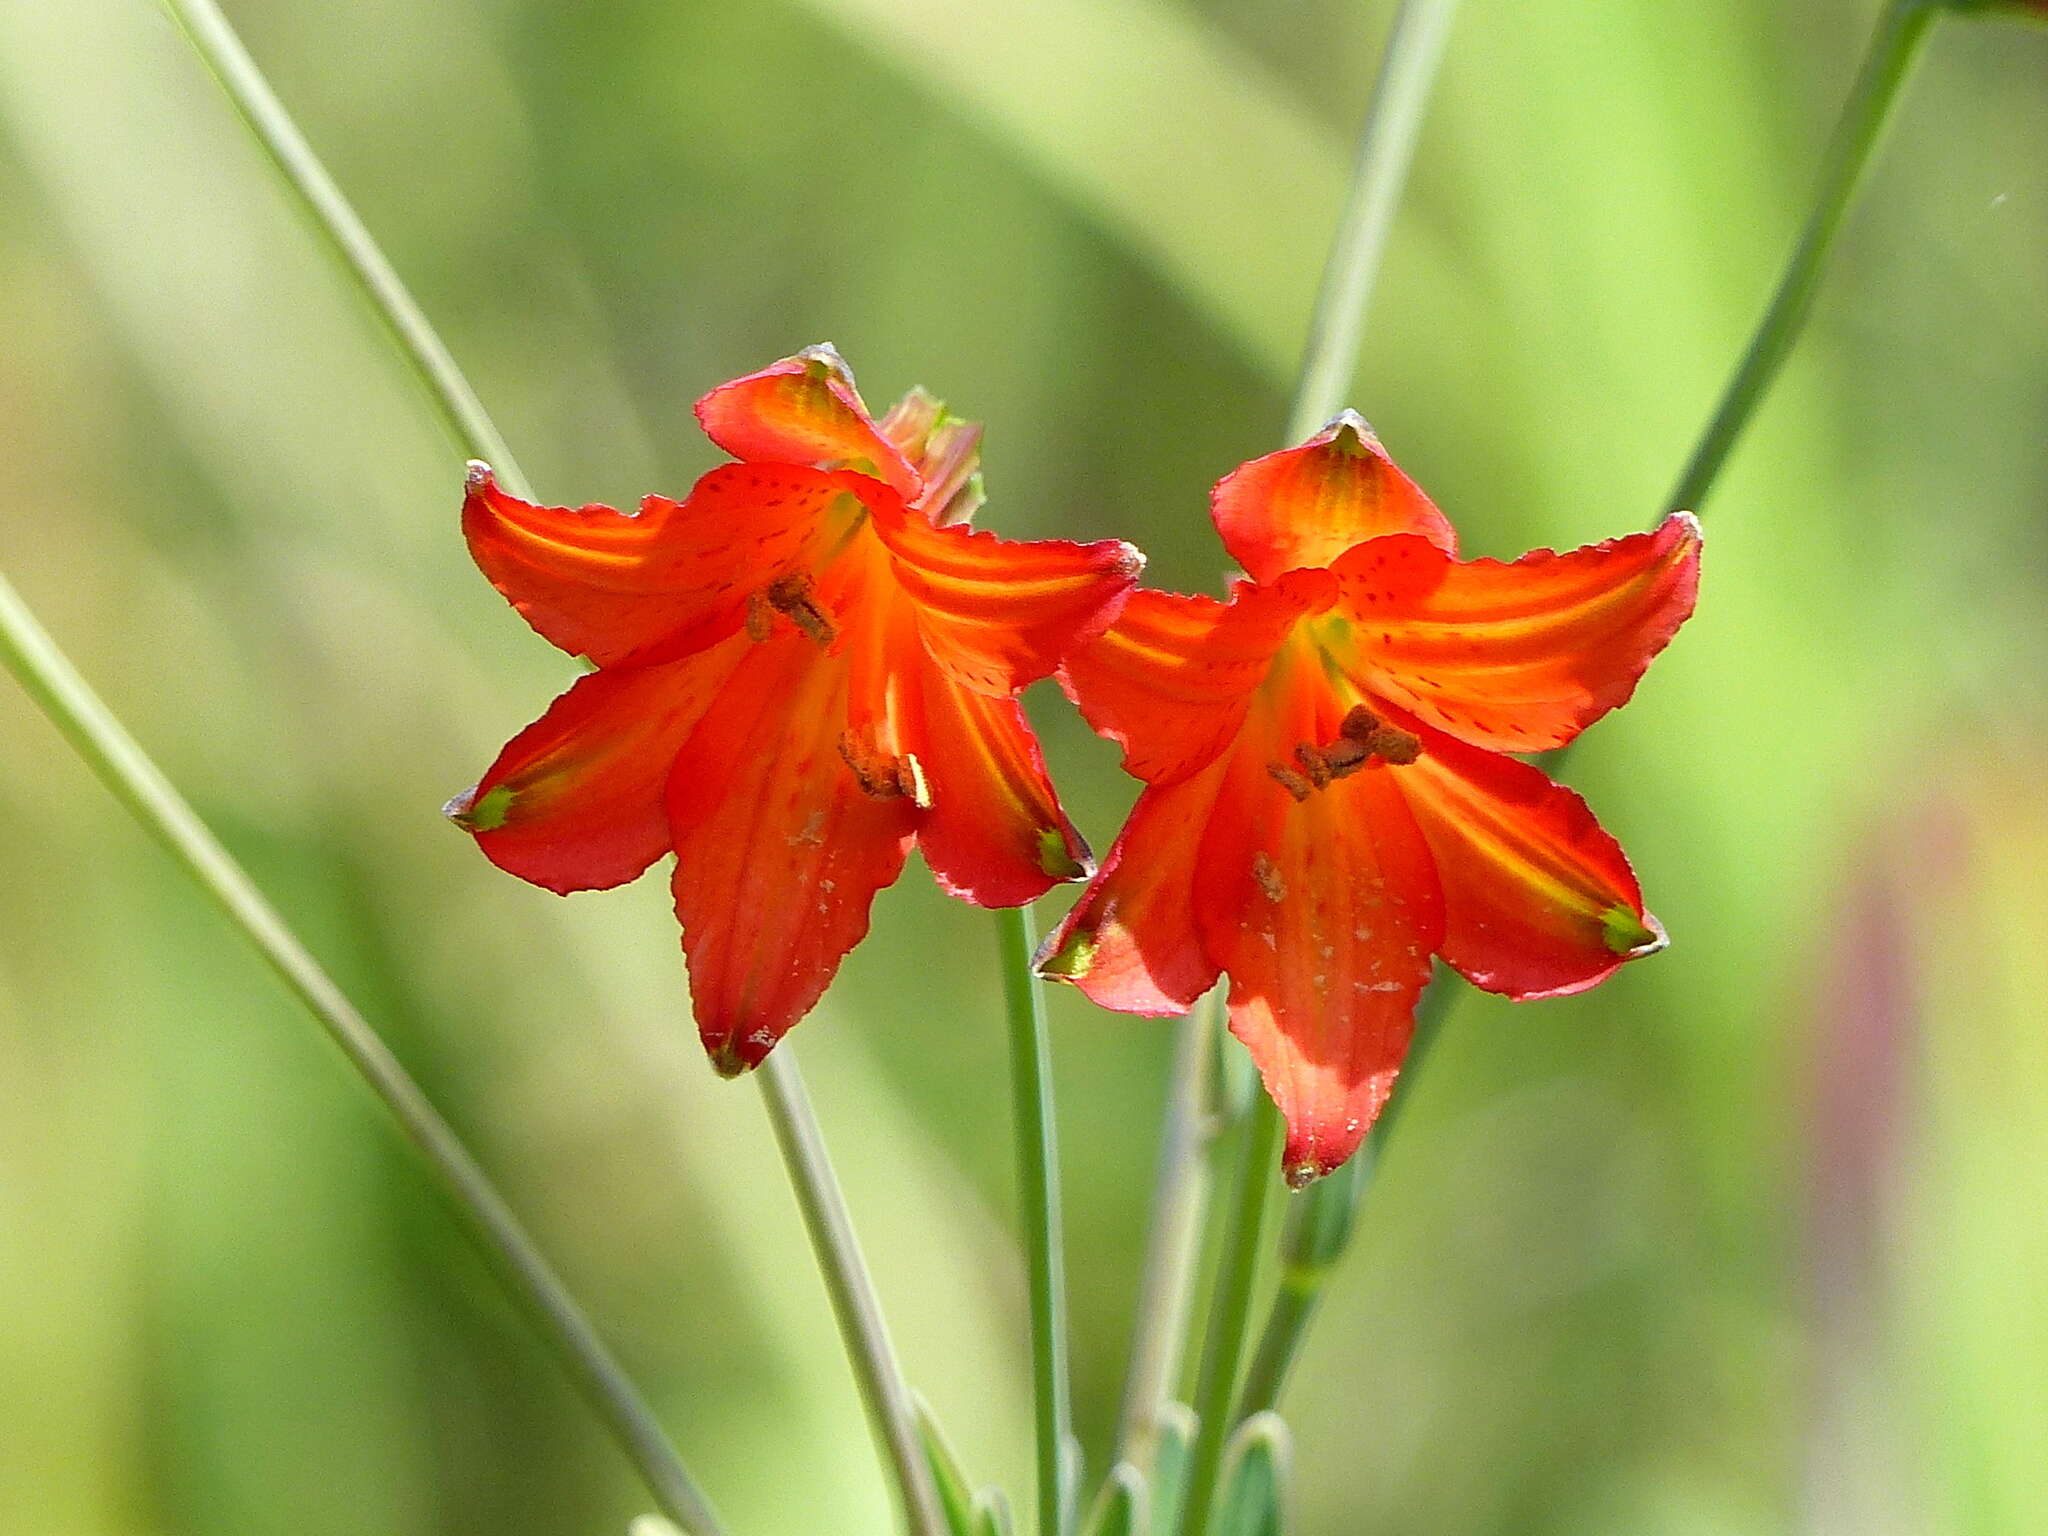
<point x="1327" y="803"/>
<point x="802" y="668"/>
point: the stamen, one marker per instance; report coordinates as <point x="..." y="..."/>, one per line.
<point x="1396" y="746"/>
<point x="883" y="775"/>
<point x="1291" y="781"/>
<point x="793" y="596"/>
<point x="1359" y="724"/>
<point x="1361" y="739"/>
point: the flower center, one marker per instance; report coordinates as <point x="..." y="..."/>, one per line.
<point x="1363" y="741"/>
<point x="796" y="597"/>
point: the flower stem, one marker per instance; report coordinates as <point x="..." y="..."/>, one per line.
<point x="1893" y="50"/>
<point x="1173" y="1244"/>
<point x="1230" y="1310"/>
<point x="136" y="781"/>
<point x="346" y="238"/>
<point x="1038" y="1181"/>
<point x="1386" y="148"/>
<point x="1320" y="1222"/>
<point x="859" y="1311"/>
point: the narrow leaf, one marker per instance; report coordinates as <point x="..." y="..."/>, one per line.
<point x="1255" y="1475"/>
<point x="992" y="1514"/>
<point x="956" y="1493"/>
<point x="1120" y="1509"/>
<point x="1173" y="1448"/>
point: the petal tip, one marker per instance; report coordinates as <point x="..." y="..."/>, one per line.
<point x="480" y="813"/>
<point x="1059" y="857"/>
<point x="1299" y="1175"/>
<point x="1632" y="935"/>
<point x="476" y="474"/>
<point x="1064" y="956"/>
<point x="1348" y="432"/>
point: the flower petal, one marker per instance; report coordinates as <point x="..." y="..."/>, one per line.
<point x="997" y="614"/>
<point x="995" y="834"/>
<point x="1324" y="912"/>
<point x="615" y="586"/>
<point x="779" y="850"/>
<point x="804" y="410"/>
<point x="1517" y="657"/>
<point x="1538" y="900"/>
<point x="1130" y="941"/>
<point x="1305" y="506"/>
<point x="1170" y="680"/>
<point x="574" y="802"/>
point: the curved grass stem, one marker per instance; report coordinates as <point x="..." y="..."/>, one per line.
<point x="135" y="780"/>
<point x="1901" y="32"/>
<point x="891" y="1410"/>
<point x="339" y="228"/>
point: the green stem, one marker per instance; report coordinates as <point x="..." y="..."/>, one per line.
<point x="1173" y="1245"/>
<point x="1230" y="1310"/>
<point x="136" y="781"/>
<point x="1038" y="1180"/>
<point x="1893" y="51"/>
<point x="1386" y="148"/>
<point x="1320" y="1222"/>
<point x="891" y="1410"/>
<point x="346" y="238"/>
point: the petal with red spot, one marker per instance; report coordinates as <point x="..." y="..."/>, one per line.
<point x="779" y="850"/>
<point x="805" y="410"/>
<point x="574" y="802"/>
<point x="675" y="576"/>
<point x="1170" y="680"/>
<point x="997" y="614"/>
<point x="1538" y="900"/>
<point x="1324" y="912"/>
<point x="1520" y="656"/>
<point x="1305" y="506"/>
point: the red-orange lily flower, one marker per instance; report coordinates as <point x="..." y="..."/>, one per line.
<point x="1328" y="802"/>
<point x="802" y="668"/>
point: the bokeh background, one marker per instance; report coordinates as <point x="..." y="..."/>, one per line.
<point x="1750" y="1241"/>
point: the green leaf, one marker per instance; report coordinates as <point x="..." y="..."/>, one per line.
<point x="992" y="1514"/>
<point x="1255" y="1474"/>
<point x="1120" y="1508"/>
<point x="1172" y="1450"/>
<point x="956" y="1493"/>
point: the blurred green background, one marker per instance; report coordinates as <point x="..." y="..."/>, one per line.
<point x="1751" y="1240"/>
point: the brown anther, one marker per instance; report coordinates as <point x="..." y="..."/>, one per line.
<point x="1314" y="766"/>
<point x="1359" y="724"/>
<point x="760" y="618"/>
<point x="1344" y="756"/>
<point x="883" y="775"/>
<point x="1291" y="781"/>
<point x="1396" y="746"/>
<point x="794" y="596"/>
<point x="910" y="781"/>
<point x="1268" y="877"/>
